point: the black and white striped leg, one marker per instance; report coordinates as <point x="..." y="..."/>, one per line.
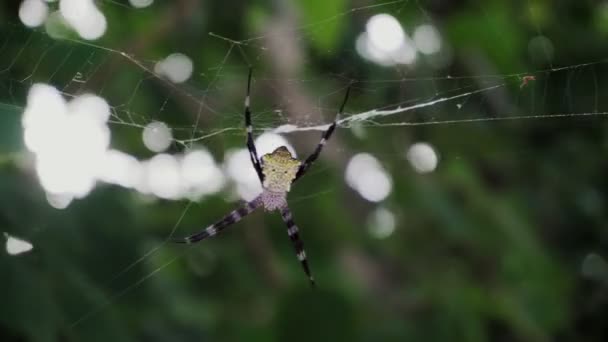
<point x="294" y="236"/>
<point x="324" y="138"/>
<point x="253" y="153"/>
<point x="234" y="217"/>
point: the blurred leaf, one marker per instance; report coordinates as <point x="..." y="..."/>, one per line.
<point x="10" y="129"/>
<point x="323" y="37"/>
<point x="315" y="315"/>
<point x="490" y="27"/>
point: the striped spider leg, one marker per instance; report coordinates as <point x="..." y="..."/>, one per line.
<point x="277" y="171"/>
<point x="228" y="220"/>
<point x="298" y="245"/>
<point x="324" y="137"/>
<point x="253" y="153"/>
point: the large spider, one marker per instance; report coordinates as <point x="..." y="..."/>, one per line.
<point x="277" y="171"/>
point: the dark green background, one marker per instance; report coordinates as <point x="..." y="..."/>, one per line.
<point x="490" y="247"/>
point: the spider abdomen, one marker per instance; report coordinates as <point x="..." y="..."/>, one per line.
<point x="279" y="169"/>
<point x="273" y="200"/>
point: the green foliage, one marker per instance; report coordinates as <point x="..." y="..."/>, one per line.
<point x="324" y="38"/>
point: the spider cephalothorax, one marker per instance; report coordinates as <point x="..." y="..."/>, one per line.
<point x="277" y="171"/>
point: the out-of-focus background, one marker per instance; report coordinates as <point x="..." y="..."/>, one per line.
<point x="462" y="198"/>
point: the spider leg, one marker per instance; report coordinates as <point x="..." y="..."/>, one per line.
<point x="324" y="137"/>
<point x="253" y="153"/>
<point x="294" y="236"/>
<point x="233" y="217"/>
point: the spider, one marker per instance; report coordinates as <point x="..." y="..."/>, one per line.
<point x="277" y="171"/>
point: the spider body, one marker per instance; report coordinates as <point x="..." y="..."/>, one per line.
<point x="273" y="200"/>
<point x="277" y="171"/>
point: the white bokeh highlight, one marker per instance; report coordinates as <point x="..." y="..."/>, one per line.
<point x="16" y="246"/>
<point x="59" y="201"/>
<point x="33" y="13"/>
<point x="385" y="42"/>
<point x="163" y="176"/>
<point x="69" y="140"/>
<point x="385" y="32"/>
<point x="200" y="174"/>
<point x="365" y="174"/>
<point x="157" y="136"/>
<point x="240" y="171"/>
<point x="141" y="3"/>
<point x="84" y="17"/>
<point x="427" y="39"/>
<point x="422" y="157"/>
<point x="176" y="67"/>
<point x="90" y="105"/>
<point x="381" y="223"/>
<point x="121" y="169"/>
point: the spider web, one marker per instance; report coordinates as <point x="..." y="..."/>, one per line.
<point x="207" y="109"/>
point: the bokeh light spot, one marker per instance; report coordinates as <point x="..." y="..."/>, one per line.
<point x="163" y="176"/>
<point x="16" y="246"/>
<point x="427" y="39"/>
<point x="385" y="32"/>
<point x="422" y="157"/>
<point x="176" y="67"/>
<point x="365" y="174"/>
<point x="59" y="201"/>
<point x="157" y="136"/>
<point x="381" y="223"/>
<point x="84" y="17"/>
<point x="141" y="3"/>
<point x="33" y="13"/>
<point x="385" y="42"/>
<point x="200" y="174"/>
